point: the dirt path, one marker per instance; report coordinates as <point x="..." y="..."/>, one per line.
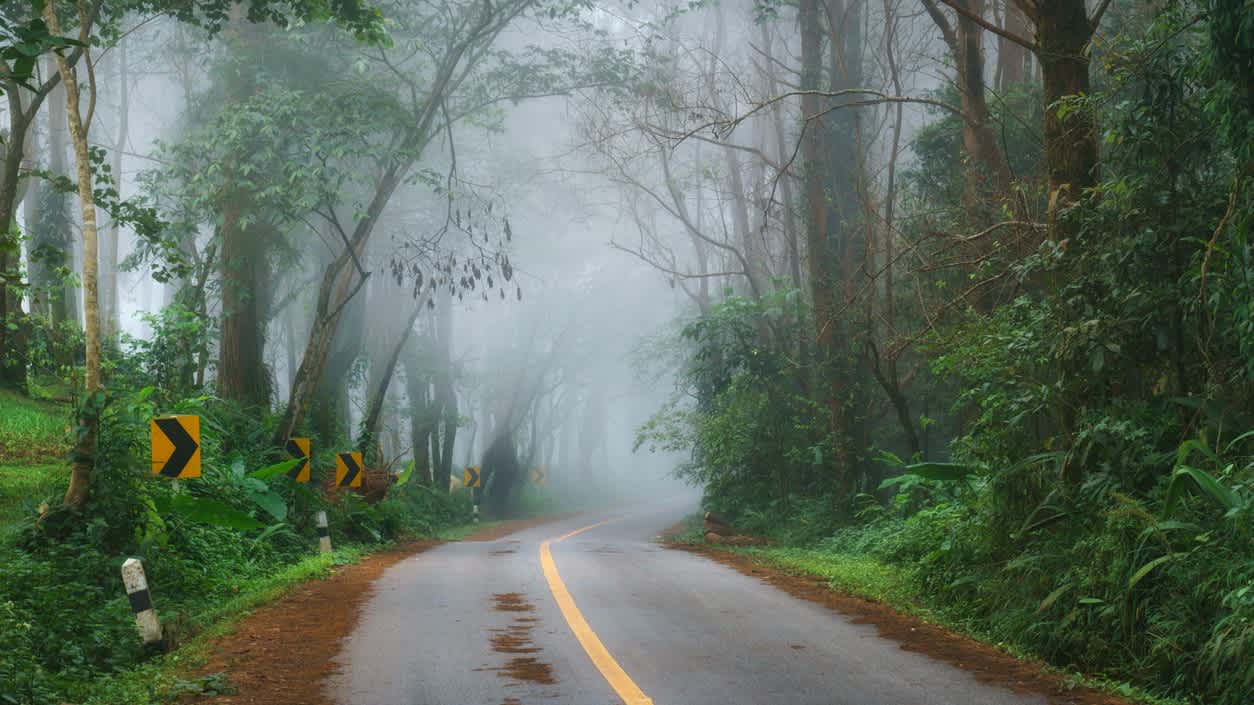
<point x="987" y="664"/>
<point x="281" y="653"/>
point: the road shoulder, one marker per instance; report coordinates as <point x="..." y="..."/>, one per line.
<point x="283" y="651"/>
<point x="986" y="663"/>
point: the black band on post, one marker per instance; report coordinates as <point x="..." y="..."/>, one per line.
<point x="140" y="601"/>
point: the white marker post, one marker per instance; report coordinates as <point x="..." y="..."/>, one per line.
<point x="475" y="509"/>
<point x="141" y="601"/>
<point x="324" y="534"/>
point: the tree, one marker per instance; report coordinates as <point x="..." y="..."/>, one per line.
<point x="84" y="452"/>
<point x="445" y="73"/>
<point x="33" y="38"/>
<point x="1064" y="29"/>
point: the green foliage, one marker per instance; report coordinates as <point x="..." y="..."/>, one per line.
<point x="23" y="43"/>
<point x="63" y="613"/>
<point x="31" y="430"/>
<point x="757" y="439"/>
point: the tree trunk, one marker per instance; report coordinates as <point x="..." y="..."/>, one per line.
<point x="818" y="255"/>
<point x="417" y="390"/>
<point x="84" y="456"/>
<point x="374" y="413"/>
<point x="1012" y="58"/>
<point x="334" y="293"/>
<point x="242" y="373"/>
<point x="965" y="42"/>
<point x="109" y="246"/>
<point x="1063" y="32"/>
<point x="50" y="239"/>
<point x="977" y="135"/>
<point x="14" y="325"/>
<point x="445" y="394"/>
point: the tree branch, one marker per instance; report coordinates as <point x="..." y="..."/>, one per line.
<point x="962" y="10"/>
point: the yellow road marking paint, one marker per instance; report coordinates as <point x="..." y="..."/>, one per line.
<point x="601" y="658"/>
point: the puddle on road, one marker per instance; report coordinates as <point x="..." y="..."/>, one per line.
<point x="516" y="640"/>
<point x="512" y="602"/>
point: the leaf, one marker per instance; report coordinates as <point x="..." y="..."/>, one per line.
<point x="1238" y="439"/>
<point x="270" y="530"/>
<point x="1164" y="526"/>
<point x="1052" y="597"/>
<point x="270" y="502"/>
<point x="1145" y="569"/>
<point x="1191" y="445"/>
<point x="269" y="471"/>
<point x="1091" y="601"/>
<point x="211" y="512"/>
<point x="891" y="459"/>
<point x="898" y="480"/>
<point x="1222" y="496"/>
<point x="940" y="472"/>
<point x="404" y="476"/>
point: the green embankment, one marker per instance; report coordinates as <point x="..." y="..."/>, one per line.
<point x="66" y="629"/>
<point x="32" y="442"/>
<point x="872" y="578"/>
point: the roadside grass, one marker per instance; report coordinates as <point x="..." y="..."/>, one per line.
<point x="687" y="531"/>
<point x="31" y="431"/>
<point x="23" y="488"/>
<point x="33" y="441"/>
<point x="871" y="579"/>
<point x="165" y="679"/>
<point x="860" y="576"/>
<point x="457" y="533"/>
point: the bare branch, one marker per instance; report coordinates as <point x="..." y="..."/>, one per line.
<point x="975" y="17"/>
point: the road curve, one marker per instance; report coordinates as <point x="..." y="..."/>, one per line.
<point x="480" y="623"/>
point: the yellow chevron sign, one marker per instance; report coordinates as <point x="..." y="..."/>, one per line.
<point x="299" y="448"/>
<point x="471" y="476"/>
<point x="176" y="446"/>
<point x="348" y="469"/>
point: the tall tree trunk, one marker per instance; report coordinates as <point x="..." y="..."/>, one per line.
<point x="819" y="259"/>
<point x="51" y="240"/>
<point x="1063" y="32"/>
<point x="844" y="237"/>
<point x="417" y="389"/>
<point x="373" y="420"/>
<point x="1012" y="58"/>
<point x="334" y="293"/>
<point x="445" y="394"/>
<point x="965" y="42"/>
<point x="109" y="245"/>
<point x="242" y="372"/>
<point x="14" y="325"/>
<point x="84" y="453"/>
<point x="888" y="377"/>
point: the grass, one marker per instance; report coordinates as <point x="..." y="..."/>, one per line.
<point x="164" y="679"/>
<point x="31" y="429"/>
<point x="23" y="488"/>
<point x="860" y="576"/>
<point x="869" y="578"/>
<point x="32" y="444"/>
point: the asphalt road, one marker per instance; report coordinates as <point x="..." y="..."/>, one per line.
<point x="480" y="623"/>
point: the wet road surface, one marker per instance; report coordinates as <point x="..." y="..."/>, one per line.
<point x="481" y="623"/>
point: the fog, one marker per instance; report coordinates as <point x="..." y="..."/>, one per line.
<point x="587" y="182"/>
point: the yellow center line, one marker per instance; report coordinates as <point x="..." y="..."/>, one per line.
<point x="601" y="658"/>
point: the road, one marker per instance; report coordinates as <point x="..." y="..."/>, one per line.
<point x="616" y="618"/>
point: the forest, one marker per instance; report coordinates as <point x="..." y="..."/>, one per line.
<point x="960" y="289"/>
